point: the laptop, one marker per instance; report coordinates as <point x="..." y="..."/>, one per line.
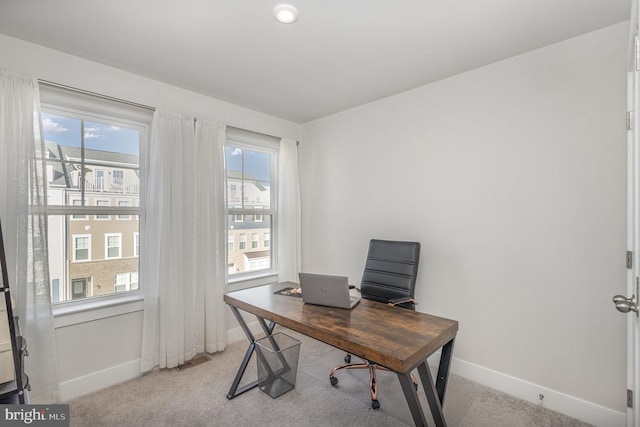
<point x="332" y="291"/>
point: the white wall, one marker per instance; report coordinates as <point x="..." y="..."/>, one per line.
<point x="512" y="176"/>
<point x="100" y="348"/>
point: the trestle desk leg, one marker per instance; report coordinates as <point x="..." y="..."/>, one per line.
<point x="443" y="370"/>
<point x="235" y="390"/>
<point x="432" y="395"/>
<point x="411" y="395"/>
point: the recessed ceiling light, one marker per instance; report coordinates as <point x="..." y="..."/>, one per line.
<point x="285" y="13"/>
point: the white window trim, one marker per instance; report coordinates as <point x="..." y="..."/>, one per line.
<point x="63" y="102"/>
<point x="106" y="245"/>
<point x="73" y="242"/>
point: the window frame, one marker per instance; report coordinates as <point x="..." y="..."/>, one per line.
<point x="122" y="217"/>
<point x="64" y="103"/>
<point x="247" y="140"/>
<point x="107" y="247"/>
<point x="136" y="244"/>
<point x="97" y="201"/>
<point x="75" y="246"/>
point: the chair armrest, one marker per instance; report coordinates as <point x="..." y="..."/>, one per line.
<point x="401" y="300"/>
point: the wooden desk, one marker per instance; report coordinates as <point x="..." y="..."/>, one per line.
<point x="393" y="337"/>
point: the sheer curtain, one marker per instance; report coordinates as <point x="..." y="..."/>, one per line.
<point x="23" y="213"/>
<point x="211" y="225"/>
<point x="182" y="263"/>
<point x="289" y="239"/>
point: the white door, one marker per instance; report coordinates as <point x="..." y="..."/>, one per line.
<point x="629" y="304"/>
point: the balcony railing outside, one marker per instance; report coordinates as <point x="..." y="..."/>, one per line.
<point x="117" y="185"/>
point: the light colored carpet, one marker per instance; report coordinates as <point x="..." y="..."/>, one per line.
<point x="196" y="396"/>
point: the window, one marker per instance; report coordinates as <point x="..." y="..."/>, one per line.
<point x="82" y="247"/>
<point x="250" y="163"/>
<point x="136" y="244"/>
<point x="98" y="180"/>
<point x="125" y="282"/>
<point x="124" y="203"/>
<point x="103" y="202"/>
<point x="118" y="178"/>
<point x="55" y="290"/>
<point x="113" y="245"/>
<point x="77" y="202"/>
<point x="79" y="288"/>
<point x="93" y="173"/>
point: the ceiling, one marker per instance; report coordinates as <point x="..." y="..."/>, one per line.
<point x="339" y="54"/>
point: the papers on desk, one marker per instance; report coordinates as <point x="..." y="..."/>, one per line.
<point x="290" y="292"/>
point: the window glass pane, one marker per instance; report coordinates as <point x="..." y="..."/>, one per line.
<point x="102" y="159"/>
<point x="93" y="172"/>
<point x="250" y="254"/>
<point x="110" y="138"/>
<point x="248" y="178"/>
<point x="87" y="263"/>
<point x="63" y="156"/>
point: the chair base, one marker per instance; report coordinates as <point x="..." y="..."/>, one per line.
<point x="373" y="383"/>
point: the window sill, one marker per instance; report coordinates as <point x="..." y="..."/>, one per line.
<point x="75" y="312"/>
<point x="250" y="281"/>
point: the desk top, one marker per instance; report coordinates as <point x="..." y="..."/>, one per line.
<point x="394" y="337"/>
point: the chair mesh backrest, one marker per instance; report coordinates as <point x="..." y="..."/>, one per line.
<point x="390" y="271"/>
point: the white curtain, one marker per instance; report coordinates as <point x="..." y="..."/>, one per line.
<point x="210" y="242"/>
<point x="24" y="222"/>
<point x="182" y="262"/>
<point x="289" y="239"/>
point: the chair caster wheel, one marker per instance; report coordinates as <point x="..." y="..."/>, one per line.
<point x="334" y="381"/>
<point x="347" y="358"/>
<point x="375" y="404"/>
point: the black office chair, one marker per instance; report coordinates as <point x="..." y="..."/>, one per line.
<point x="389" y="277"/>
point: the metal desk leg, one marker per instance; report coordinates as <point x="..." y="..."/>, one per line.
<point x="411" y="395"/>
<point x="234" y="391"/>
<point x="443" y="369"/>
<point x="432" y="397"/>
<point x="436" y="392"/>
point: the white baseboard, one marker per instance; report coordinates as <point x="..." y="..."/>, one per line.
<point x="99" y="380"/>
<point x="554" y="400"/>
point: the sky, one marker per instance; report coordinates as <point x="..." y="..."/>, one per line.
<point x="97" y="136"/>
<point x="256" y="163"/>
<point x="105" y="137"/>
